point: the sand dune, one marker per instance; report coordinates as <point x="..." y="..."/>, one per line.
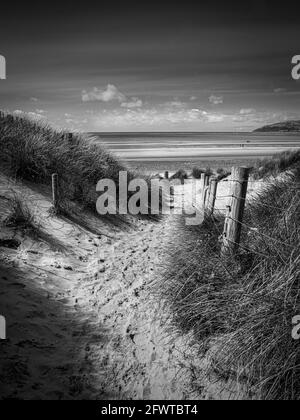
<point x="83" y="321"/>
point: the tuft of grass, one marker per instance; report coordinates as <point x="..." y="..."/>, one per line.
<point x="197" y="172"/>
<point x="222" y="174"/>
<point x="240" y="309"/>
<point x="276" y="164"/>
<point x="181" y="174"/>
<point x="20" y="215"/>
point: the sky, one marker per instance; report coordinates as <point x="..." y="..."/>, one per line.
<point x="159" y="66"/>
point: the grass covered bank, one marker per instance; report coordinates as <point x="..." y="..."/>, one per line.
<point x="32" y="151"/>
<point x="278" y="163"/>
<point x="240" y="310"/>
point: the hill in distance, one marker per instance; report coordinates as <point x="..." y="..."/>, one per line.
<point x="290" y="126"/>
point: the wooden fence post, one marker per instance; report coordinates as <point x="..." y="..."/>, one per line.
<point x="2" y="328"/>
<point x="194" y="192"/>
<point x="212" y="196"/>
<point x="182" y="195"/>
<point x="235" y="213"/>
<point x="55" y="191"/>
<point x="206" y="190"/>
<point x="203" y="189"/>
<point x="172" y="193"/>
<point x="207" y="193"/>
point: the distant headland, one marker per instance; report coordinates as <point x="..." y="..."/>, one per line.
<point x="287" y="126"/>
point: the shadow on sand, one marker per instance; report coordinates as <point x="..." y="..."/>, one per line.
<point x="45" y="355"/>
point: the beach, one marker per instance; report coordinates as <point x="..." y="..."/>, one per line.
<point x="155" y="152"/>
<point x="86" y="301"/>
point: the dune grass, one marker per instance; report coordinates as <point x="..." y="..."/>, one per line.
<point x="20" y="216"/>
<point x="278" y="163"/>
<point x="197" y="172"/>
<point x="33" y="151"/>
<point x="181" y="174"/>
<point x="240" y="309"/>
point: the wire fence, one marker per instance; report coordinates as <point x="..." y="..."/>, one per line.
<point x="222" y="203"/>
<point x="235" y="201"/>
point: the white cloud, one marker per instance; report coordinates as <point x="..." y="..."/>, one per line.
<point x="32" y="115"/>
<point x="279" y="90"/>
<point x="33" y="99"/>
<point x="35" y="115"/>
<point x="216" y="99"/>
<point x="215" y="118"/>
<point x="133" y="103"/>
<point x="193" y="98"/>
<point x="76" y="122"/>
<point x="247" y="111"/>
<point x="259" y="118"/>
<point x="154" y="118"/>
<point x="175" y="104"/>
<point x="110" y="93"/>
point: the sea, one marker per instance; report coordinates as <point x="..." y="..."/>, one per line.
<point x="172" y="148"/>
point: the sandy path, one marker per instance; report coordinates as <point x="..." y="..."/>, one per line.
<point x="82" y="313"/>
<point x="141" y="360"/>
<point x="140" y="357"/>
<point x="82" y="320"/>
